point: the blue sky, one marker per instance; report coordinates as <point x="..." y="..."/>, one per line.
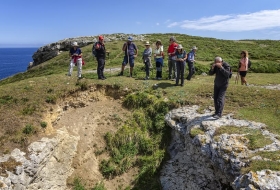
<point x="36" y="22"/>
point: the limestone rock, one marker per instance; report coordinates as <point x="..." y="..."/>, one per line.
<point x="213" y="162"/>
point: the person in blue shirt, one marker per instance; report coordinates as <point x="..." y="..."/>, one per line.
<point x="75" y="54"/>
<point x="191" y="60"/>
<point x="130" y="52"/>
<point x="181" y="57"/>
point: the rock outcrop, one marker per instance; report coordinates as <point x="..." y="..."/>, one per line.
<point x="51" y="50"/>
<point x="47" y="166"/>
<point x="209" y="162"/>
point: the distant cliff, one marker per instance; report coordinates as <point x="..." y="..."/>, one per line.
<point x="51" y="50"/>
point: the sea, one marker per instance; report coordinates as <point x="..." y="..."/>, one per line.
<point x="15" y="60"/>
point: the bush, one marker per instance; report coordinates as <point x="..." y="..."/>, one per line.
<point x="29" y="129"/>
<point x="43" y="124"/>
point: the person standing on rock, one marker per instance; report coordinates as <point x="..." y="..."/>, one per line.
<point x="130" y="52"/>
<point x="147" y="54"/>
<point x="191" y="60"/>
<point x="75" y="54"/>
<point x="100" y="57"/>
<point x="172" y="58"/>
<point x="222" y="71"/>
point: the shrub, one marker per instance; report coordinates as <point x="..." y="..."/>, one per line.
<point x="29" y="129"/>
<point x="43" y="124"/>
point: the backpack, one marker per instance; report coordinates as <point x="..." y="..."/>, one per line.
<point x="94" y="53"/>
<point x="249" y="63"/>
<point x="230" y="75"/>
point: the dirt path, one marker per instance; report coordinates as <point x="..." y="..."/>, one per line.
<point x="100" y="115"/>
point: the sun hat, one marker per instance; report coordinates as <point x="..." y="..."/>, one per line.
<point x="147" y="43"/>
<point x="180" y="46"/>
<point x="75" y="44"/>
<point x="129" y="38"/>
<point x="101" y="38"/>
<point x="158" y="42"/>
<point x="194" y="48"/>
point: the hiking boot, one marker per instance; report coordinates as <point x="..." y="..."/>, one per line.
<point x="121" y="73"/>
<point x="216" y="116"/>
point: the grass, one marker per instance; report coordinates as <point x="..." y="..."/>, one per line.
<point x="255" y="137"/>
<point x="196" y="131"/>
<point x="257" y="165"/>
<point x="25" y="98"/>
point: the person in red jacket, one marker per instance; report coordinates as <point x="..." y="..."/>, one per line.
<point x="100" y="57"/>
<point x="172" y="58"/>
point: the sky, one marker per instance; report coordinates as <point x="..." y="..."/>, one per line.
<point x="35" y="23"/>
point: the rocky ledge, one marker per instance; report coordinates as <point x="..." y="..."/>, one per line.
<point x="51" y="50"/>
<point x="205" y="160"/>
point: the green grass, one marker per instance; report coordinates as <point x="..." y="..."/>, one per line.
<point x="257" y="165"/>
<point x="255" y="137"/>
<point x="196" y="131"/>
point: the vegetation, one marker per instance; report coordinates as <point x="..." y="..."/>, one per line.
<point x="255" y="137"/>
<point x="141" y="142"/>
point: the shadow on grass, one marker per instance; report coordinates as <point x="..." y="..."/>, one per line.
<point x="164" y="85"/>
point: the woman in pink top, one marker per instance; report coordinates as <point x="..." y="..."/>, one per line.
<point x="243" y="67"/>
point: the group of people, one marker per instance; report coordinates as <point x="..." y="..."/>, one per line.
<point x="177" y="60"/>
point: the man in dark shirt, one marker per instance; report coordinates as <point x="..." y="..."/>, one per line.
<point x="100" y="57"/>
<point x="222" y="71"/>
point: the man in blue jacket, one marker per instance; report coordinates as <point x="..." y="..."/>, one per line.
<point x="130" y="52"/>
<point x="191" y="60"/>
<point x="222" y="71"/>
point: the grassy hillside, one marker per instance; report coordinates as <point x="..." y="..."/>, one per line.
<point x="263" y="53"/>
<point x="25" y="98"/>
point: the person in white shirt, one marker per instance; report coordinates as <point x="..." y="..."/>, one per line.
<point x="158" y="55"/>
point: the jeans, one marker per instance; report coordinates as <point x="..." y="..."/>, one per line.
<point x="100" y="67"/>
<point x="180" y="71"/>
<point x="191" y="70"/>
<point x="219" y="99"/>
<point x="172" y="66"/>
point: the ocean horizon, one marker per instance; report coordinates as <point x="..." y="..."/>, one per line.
<point x="15" y="60"/>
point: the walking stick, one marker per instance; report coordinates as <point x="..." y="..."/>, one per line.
<point x="130" y="74"/>
<point x="237" y="78"/>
